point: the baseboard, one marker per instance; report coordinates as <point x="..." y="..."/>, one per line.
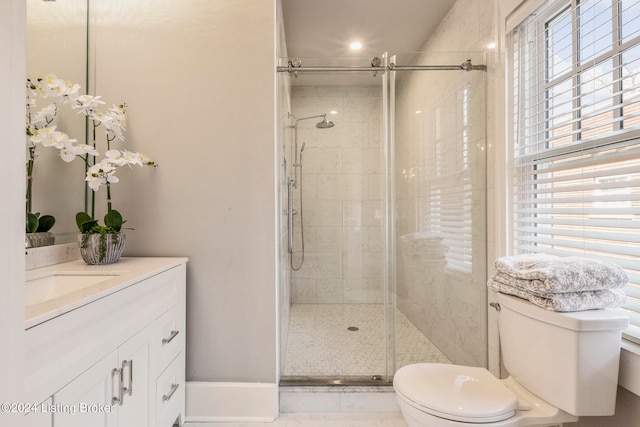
<point x="231" y="402"/>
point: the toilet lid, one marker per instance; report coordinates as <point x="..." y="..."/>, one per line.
<point x="459" y="393"/>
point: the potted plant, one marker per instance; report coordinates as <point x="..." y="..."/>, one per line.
<point x="41" y="130"/>
<point x="37" y="229"/>
<point x="103" y="244"/>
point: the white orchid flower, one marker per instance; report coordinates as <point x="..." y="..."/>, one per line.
<point x="115" y="132"/>
<point x="88" y="149"/>
<point x="73" y="91"/>
<point x="86" y="104"/>
<point x="37" y="135"/>
<point x="115" y="158"/>
<point x="67" y="154"/>
<point x="94" y="182"/>
<point x="44" y="116"/>
<point x="55" y="87"/>
<point x="50" y="137"/>
<point x="101" y="174"/>
<point x="71" y="151"/>
<point x="147" y="161"/>
<point x="132" y="158"/>
<point x="114" y="122"/>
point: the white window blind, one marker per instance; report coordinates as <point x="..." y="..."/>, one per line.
<point x="575" y="84"/>
<point x="446" y="178"/>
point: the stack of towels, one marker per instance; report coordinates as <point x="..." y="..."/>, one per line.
<point x="561" y="283"/>
<point x="422" y="246"/>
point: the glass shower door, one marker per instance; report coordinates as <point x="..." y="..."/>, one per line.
<point x="440" y="217"/>
<point x="336" y="329"/>
<point x="388" y="219"/>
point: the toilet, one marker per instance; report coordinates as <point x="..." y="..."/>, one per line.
<point x="561" y="366"/>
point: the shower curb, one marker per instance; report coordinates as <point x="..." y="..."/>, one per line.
<point x="337" y="398"/>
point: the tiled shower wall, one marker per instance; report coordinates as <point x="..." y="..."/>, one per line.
<point x="341" y="196"/>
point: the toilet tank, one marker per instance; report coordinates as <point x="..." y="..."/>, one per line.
<point x="567" y="359"/>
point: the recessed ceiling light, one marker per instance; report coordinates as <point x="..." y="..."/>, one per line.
<point x="355" y="45"/>
<point x="333" y="112"/>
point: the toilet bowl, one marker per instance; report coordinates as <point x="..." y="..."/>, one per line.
<point x="439" y="395"/>
<point x="562" y="366"/>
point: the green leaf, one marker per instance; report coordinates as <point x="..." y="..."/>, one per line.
<point x="88" y="227"/>
<point x="45" y="223"/>
<point x="32" y="222"/>
<point x="113" y="219"/>
<point x="84" y="222"/>
<point x="81" y="218"/>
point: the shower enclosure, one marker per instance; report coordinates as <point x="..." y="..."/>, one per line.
<point x="383" y="237"/>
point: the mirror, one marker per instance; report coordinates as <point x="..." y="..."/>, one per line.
<point x="57" y="44"/>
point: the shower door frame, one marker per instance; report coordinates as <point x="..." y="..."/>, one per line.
<point x="388" y="69"/>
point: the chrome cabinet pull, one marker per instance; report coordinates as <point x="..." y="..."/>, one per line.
<point x="171" y="337"/>
<point x="129" y="388"/>
<point x="115" y="372"/>
<point x="168" y="396"/>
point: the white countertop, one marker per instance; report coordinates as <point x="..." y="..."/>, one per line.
<point x="126" y="272"/>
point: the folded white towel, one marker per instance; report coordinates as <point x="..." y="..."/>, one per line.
<point x="567" y="301"/>
<point x="422" y="246"/>
<point x="421" y="235"/>
<point x="551" y="274"/>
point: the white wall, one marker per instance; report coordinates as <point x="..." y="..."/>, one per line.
<point x="12" y="182"/>
<point x="198" y="77"/>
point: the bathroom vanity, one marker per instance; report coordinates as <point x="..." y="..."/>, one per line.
<point x="105" y="345"/>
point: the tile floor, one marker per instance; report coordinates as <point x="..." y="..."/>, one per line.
<point x="320" y="344"/>
<point x="323" y="420"/>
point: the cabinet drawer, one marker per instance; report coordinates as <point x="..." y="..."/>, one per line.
<point x="170" y="393"/>
<point x="168" y="337"/>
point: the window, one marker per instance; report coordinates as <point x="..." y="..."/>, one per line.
<point x="446" y="177"/>
<point x="574" y="69"/>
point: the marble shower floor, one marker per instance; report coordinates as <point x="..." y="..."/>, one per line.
<point x="320" y="345"/>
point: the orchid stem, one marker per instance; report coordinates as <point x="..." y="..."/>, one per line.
<point x="30" y="163"/>
<point x="108" y="197"/>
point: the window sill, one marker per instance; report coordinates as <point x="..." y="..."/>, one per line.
<point x="629" y="376"/>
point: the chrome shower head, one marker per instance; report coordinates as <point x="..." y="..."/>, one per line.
<point x="324" y="124"/>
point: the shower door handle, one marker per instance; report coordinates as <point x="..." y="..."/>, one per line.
<point x="290" y="214"/>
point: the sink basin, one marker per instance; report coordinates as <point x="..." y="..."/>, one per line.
<point x="57" y="284"/>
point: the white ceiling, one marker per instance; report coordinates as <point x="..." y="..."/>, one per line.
<point x="324" y="28"/>
<point x="320" y="31"/>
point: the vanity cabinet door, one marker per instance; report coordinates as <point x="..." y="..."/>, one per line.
<point x="87" y="400"/>
<point x="114" y="392"/>
<point x="133" y="359"/>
